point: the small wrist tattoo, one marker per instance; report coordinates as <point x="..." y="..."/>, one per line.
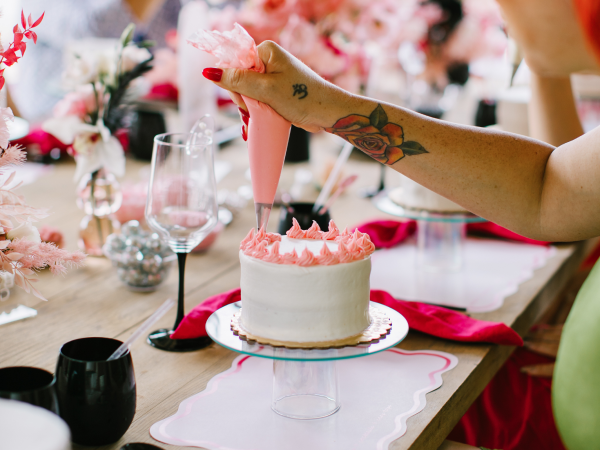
<point x="301" y="90"/>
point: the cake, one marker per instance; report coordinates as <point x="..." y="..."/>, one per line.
<point x="307" y="286"/>
<point x="412" y="195"/>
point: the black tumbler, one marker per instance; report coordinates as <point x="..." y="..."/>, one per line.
<point x="29" y="385"/>
<point x="298" y="145"/>
<point x="304" y="214"/>
<point x="144" y="126"/>
<point x="96" y="397"/>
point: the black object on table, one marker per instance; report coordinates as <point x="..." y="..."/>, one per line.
<point x="96" y="397"/>
<point x="30" y="385"/>
<point x="486" y="113"/>
<point x="304" y="214"/>
<point x="298" y="145"/>
<point x="144" y="126"/>
<point x="161" y="339"/>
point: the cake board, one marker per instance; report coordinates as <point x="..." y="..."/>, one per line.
<point x="440" y="236"/>
<point x="304" y="381"/>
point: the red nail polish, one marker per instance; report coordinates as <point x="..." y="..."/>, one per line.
<point x="244" y="113"/>
<point x="246" y="119"/>
<point x="213" y="73"/>
<point x="244" y="134"/>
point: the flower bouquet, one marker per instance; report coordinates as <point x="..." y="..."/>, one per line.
<point x="104" y="81"/>
<point x="22" y="253"/>
<point x="336" y="38"/>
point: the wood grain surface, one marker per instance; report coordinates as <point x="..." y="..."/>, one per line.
<point x="91" y="301"/>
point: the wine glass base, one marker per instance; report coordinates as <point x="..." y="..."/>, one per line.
<point x="161" y="339"/>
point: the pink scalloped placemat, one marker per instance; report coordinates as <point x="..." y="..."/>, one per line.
<point x="378" y="394"/>
<point x="493" y="270"/>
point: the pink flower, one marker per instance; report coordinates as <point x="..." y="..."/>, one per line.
<point x="316" y="10"/>
<point x="51" y="235"/>
<point x="79" y="102"/>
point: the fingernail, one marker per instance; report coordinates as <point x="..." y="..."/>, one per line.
<point x="245" y="119"/>
<point x="244" y="134"/>
<point x="213" y="73"/>
<point x="244" y="113"/>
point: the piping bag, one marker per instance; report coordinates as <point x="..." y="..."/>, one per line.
<point x="268" y="132"/>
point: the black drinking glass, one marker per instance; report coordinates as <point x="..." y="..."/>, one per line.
<point x="96" y="397"/>
<point x="29" y="385"/>
<point x="303" y="213"/>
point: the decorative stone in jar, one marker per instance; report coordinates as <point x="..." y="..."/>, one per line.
<point x="142" y="260"/>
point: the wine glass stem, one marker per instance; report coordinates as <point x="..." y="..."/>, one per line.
<point x="181" y="261"/>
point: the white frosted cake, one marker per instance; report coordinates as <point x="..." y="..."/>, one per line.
<point x="412" y="195"/>
<point x="308" y="286"/>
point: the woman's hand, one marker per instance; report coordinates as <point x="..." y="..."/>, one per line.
<point x="288" y="86"/>
<point x="550" y="35"/>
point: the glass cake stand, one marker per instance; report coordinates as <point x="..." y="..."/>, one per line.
<point x="440" y="236"/>
<point x="304" y="381"/>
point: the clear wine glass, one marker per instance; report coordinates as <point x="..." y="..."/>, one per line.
<point x="182" y="208"/>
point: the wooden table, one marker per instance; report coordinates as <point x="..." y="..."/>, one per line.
<point x="91" y="301"/>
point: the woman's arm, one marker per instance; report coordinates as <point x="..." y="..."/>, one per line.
<point x="518" y="182"/>
<point x="552" y="113"/>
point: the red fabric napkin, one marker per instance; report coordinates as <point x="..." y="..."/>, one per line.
<point x="429" y="319"/>
<point x="389" y="233"/>
<point x="514" y="411"/>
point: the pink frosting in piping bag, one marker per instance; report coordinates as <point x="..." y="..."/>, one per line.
<point x="268" y="132"/>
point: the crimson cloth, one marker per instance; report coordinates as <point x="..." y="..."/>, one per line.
<point x="47" y="142"/>
<point x="514" y="411"/>
<point x="389" y="233"/>
<point x="429" y="319"/>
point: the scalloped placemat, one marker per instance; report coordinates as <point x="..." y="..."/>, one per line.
<point x="378" y="394"/>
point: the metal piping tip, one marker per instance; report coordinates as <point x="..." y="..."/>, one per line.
<point x="263" y="211"/>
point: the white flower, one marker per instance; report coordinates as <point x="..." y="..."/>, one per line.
<point x="132" y="56"/>
<point x="6" y="114"/>
<point x="81" y="70"/>
<point x="25" y="231"/>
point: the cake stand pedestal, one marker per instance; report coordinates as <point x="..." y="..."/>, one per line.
<point x="305" y="384"/>
<point x="440" y="236"/>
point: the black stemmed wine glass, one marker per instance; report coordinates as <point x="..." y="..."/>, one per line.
<point x="182" y="209"/>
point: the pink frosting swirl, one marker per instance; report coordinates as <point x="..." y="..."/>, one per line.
<point x="295" y="232"/>
<point x="343" y="254"/>
<point x="314" y="232"/>
<point x="333" y="232"/>
<point x="247" y="239"/>
<point x="307" y="259"/>
<point x="260" y="250"/>
<point x="261" y="235"/>
<point x="273" y="256"/>
<point x="356" y="252"/>
<point x="290" y="258"/>
<point x="273" y="237"/>
<point x="365" y="243"/>
<point x="327" y="258"/>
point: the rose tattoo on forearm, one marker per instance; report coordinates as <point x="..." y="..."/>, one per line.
<point x="375" y="136"/>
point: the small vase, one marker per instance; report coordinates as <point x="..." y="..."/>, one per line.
<point x="99" y="196"/>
